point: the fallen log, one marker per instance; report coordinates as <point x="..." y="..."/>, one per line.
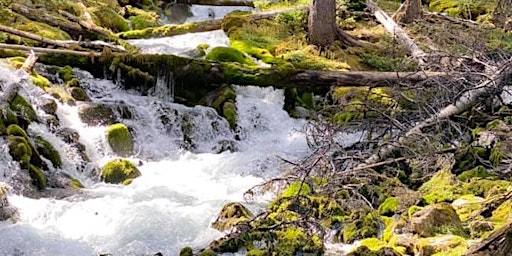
<point x="216" y="2"/>
<point x="467" y="100"/>
<point x="72" y="28"/>
<point x="194" y="27"/>
<point x="393" y="28"/>
<point x="87" y="25"/>
<point x="499" y="243"/>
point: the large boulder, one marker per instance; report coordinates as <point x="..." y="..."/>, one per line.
<point x="230" y="215"/>
<point x="120" y="139"/>
<point x="21" y="106"/>
<point x="97" y="114"/>
<point x="119" y="171"/>
<point x="437" y="219"/>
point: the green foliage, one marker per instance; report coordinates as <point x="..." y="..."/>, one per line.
<point x="294" y="20"/>
<point x="120" y="139"/>
<point x="119" y="170"/>
<point x="468" y="9"/>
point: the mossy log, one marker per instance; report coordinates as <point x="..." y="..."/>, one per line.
<point x="499" y="243"/>
<point x="87" y="25"/>
<point x="194" y="27"/>
<point x="216" y="2"/>
<point x="73" y="29"/>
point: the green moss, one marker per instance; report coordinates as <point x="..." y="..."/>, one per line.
<point x="293" y="240"/>
<point x="20" y="150"/>
<point x="497" y="153"/>
<point x="443" y="245"/>
<point x="7" y="116"/>
<point x="66" y="73"/>
<point x="207" y="252"/>
<point x="119" y="170"/>
<point x="467" y="205"/>
<point x="42" y="29"/>
<point x="108" y="18"/>
<point x="20" y="105"/>
<point x="97" y="114"/>
<point x="308" y="58"/>
<point x="462" y="8"/>
<point x="75" y="184"/>
<point x="413" y="209"/>
<point x="362" y="227"/>
<point x="440" y="188"/>
<point x="47" y="150"/>
<point x="73" y="83"/>
<point x="228" y="54"/>
<point x="231" y="215"/>
<point x="186" y="251"/>
<point x="485" y="187"/>
<point x="38" y="177"/>
<point x="141" y="19"/>
<point x="229" y="112"/>
<point x="296" y="189"/>
<point x="477" y="172"/>
<point x="389" y="206"/>
<point x="15" y="130"/>
<point x="39" y="80"/>
<point x="79" y="94"/>
<point x="120" y="139"/>
<point x="256" y="252"/>
<point x="502" y="214"/>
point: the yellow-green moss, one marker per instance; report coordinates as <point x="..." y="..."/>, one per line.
<point x="39" y="80"/>
<point x="230" y="215"/>
<point x="229" y="112"/>
<point x="79" y="94"/>
<point x="389" y="206"/>
<point x="502" y="214"/>
<point x="186" y="251"/>
<point x="119" y="170"/>
<point x="75" y="184"/>
<point x="293" y="240"/>
<point x="108" y="18"/>
<point x="477" y="172"/>
<point x="66" y="73"/>
<point x="19" y="149"/>
<point x="120" y="139"/>
<point x="141" y="19"/>
<point x="15" y="130"/>
<point x="228" y="54"/>
<point x="440" y="188"/>
<point x="295" y="189"/>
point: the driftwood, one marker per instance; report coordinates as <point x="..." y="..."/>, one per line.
<point x="216" y="2"/>
<point x="194" y="27"/>
<point x="30" y="62"/>
<point x="47" y="50"/>
<point x="497" y="244"/>
<point x="468" y="99"/>
<point x="393" y="28"/>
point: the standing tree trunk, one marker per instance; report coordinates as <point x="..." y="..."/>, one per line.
<point x="322" y="23"/>
<point x="412" y="11"/>
<point x="502" y="14"/>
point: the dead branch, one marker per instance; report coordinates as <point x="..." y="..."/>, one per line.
<point x="215" y="2"/>
<point x="30" y="62"/>
<point x="491" y="86"/>
<point x="393" y="28"/>
<point x="46" y="50"/>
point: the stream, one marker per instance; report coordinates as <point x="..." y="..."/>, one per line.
<point x="182" y="188"/>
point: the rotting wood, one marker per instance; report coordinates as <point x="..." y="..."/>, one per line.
<point x="30" y="62"/>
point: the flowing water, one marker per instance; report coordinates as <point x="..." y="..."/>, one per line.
<point x="182" y="187"/>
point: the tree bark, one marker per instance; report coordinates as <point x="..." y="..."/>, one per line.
<point x="322" y="23"/>
<point x="216" y="2"/>
<point x="467" y="100"/>
<point x="502" y="14"/>
<point x="413" y="11"/>
<point x="47" y="50"/>
<point x="194" y="27"/>
<point x="399" y="33"/>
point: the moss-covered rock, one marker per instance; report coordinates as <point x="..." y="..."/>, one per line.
<point x="108" y="18"/>
<point x="141" y="19"/>
<point x="228" y="54"/>
<point x="120" y="139"/>
<point x="15" y="130"/>
<point x="389" y="206"/>
<point x="38" y="177"/>
<point x="97" y="114"/>
<point x="23" y="107"/>
<point x="365" y="226"/>
<point x="231" y="215"/>
<point x="440" y="188"/>
<point x="66" y="73"/>
<point x="229" y="112"/>
<point x="477" y="172"/>
<point x="118" y="171"/>
<point x="46" y="149"/>
<point x="39" y="80"/>
<point x="79" y="93"/>
<point x="441" y="245"/>
<point x="20" y="150"/>
<point x="437" y="219"/>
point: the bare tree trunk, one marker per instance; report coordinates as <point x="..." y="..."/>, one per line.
<point x="413" y="11"/>
<point x="322" y="23"/>
<point x="398" y="32"/>
<point x="502" y="14"/>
